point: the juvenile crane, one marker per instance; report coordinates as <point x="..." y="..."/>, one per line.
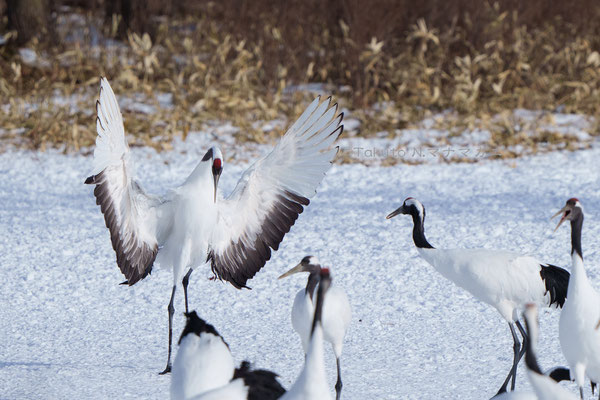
<point x="336" y="313"/>
<point x="204" y="369"/>
<point x="191" y="225"/>
<point x="579" y="338"/>
<point x="505" y="280"/>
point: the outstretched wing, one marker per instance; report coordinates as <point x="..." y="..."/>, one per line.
<point x="272" y="193"/>
<point x="129" y="213"/>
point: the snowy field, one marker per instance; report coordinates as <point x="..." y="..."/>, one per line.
<point x="68" y="330"/>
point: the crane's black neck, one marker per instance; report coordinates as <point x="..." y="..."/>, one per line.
<point x="419" y="231"/>
<point x="530" y="358"/>
<point x="318" y="309"/>
<point x="313" y="280"/>
<point x="576" y="226"/>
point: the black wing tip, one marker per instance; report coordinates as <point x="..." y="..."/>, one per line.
<point x="556" y="280"/>
<point x="131" y="271"/>
<point x="238" y="283"/>
<point x="341" y="129"/>
<point x="90" y="180"/>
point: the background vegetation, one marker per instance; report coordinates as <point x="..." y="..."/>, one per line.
<point x="392" y="63"/>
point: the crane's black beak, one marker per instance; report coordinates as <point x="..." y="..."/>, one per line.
<point x="396" y="212"/>
<point x="216" y="171"/>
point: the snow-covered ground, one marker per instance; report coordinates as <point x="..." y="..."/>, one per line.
<point x="68" y="330"/>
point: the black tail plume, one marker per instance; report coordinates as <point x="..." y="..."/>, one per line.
<point x="556" y="280"/>
<point x="560" y="374"/>
<point x="262" y="384"/>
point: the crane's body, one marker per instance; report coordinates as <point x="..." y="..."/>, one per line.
<point x="336" y="318"/>
<point x="578" y="333"/>
<point x="204" y="369"/>
<point x="312" y="384"/>
<point x="336" y="315"/>
<point x="192" y="225"/>
<point x="505" y="280"/>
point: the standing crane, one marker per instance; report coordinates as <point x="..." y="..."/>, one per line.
<point x="312" y="381"/>
<point x="507" y="281"/>
<point x="579" y="338"/>
<point x="336" y="313"/>
<point x="191" y="225"/>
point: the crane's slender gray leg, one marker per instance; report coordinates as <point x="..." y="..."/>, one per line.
<point x="513" y="371"/>
<point x="338" y="384"/>
<point x="171" y="310"/>
<point x="185" y="282"/>
<point x="521" y="353"/>
<point x="581" y="392"/>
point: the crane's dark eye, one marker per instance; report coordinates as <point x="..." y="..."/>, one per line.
<point x="305" y="260"/>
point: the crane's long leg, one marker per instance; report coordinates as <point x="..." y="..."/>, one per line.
<point x="521" y="353"/>
<point x="185" y="282"/>
<point x="516" y="349"/>
<point x="338" y="384"/>
<point x="171" y="310"/>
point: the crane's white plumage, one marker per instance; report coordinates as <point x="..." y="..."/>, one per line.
<point x="191" y="225"/>
<point x="579" y="338"/>
<point x="270" y="195"/>
<point x="312" y="381"/>
<point x="130" y="214"/>
<point x="204" y="369"/>
<point x="505" y="280"/>
<point x="203" y="363"/>
<point x="240" y="229"/>
<point x="336" y="312"/>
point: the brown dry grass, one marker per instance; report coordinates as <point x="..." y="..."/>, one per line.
<point x="233" y="61"/>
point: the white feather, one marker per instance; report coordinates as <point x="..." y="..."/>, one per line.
<point x="312" y="381"/>
<point x="203" y="363"/>
<point x="579" y="338"/>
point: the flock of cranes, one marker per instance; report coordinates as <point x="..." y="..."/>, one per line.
<point x="192" y="225"/>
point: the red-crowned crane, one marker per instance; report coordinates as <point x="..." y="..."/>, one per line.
<point x="204" y="369"/>
<point x="191" y="225"/>
<point x="312" y="381"/>
<point x="579" y="338"/>
<point x="507" y="281"/>
<point x="336" y="313"/>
